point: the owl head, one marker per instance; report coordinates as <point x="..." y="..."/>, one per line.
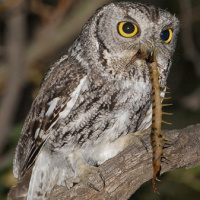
<point x="119" y="30"/>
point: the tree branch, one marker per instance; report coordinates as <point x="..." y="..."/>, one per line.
<point x="126" y="172"/>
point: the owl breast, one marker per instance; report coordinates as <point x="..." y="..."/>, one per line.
<point x="101" y="110"/>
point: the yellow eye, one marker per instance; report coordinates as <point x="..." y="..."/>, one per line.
<point x="127" y="29"/>
<point x="166" y="35"/>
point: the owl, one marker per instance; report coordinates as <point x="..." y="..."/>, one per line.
<point x="96" y="98"/>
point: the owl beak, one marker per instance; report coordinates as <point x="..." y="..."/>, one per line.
<point x="148" y="56"/>
<point x="151" y="56"/>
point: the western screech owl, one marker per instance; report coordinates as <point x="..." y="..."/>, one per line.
<point x="93" y="98"/>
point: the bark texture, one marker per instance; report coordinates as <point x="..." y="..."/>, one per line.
<point x="126" y="172"/>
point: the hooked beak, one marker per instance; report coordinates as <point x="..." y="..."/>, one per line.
<point x="151" y="56"/>
<point x="148" y="56"/>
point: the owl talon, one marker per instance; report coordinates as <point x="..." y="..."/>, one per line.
<point x="144" y="144"/>
<point x="92" y="186"/>
<point x="87" y="173"/>
<point x="136" y="138"/>
<point x="69" y="183"/>
<point x="102" y="178"/>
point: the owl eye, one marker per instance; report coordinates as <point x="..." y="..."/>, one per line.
<point x="166" y="35"/>
<point x="127" y="29"/>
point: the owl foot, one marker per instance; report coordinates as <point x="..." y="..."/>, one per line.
<point x="140" y="134"/>
<point x="86" y="174"/>
<point x="136" y="138"/>
<point x="70" y="182"/>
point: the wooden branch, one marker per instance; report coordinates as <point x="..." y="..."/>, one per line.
<point x="126" y="172"/>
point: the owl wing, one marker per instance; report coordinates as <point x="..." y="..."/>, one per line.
<point x="64" y="83"/>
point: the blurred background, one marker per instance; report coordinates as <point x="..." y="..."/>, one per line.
<point x="35" y="33"/>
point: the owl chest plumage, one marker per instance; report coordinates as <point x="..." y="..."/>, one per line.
<point x="101" y="110"/>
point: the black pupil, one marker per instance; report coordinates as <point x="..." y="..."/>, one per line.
<point x="165" y="35"/>
<point x="128" y="27"/>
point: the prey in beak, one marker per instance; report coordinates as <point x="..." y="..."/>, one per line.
<point x="157" y="138"/>
<point x="148" y="56"/>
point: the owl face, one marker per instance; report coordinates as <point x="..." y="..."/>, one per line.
<point x="119" y="31"/>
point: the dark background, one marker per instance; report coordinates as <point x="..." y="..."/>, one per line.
<point x="35" y="33"/>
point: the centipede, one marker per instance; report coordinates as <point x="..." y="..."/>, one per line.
<point x="158" y="140"/>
